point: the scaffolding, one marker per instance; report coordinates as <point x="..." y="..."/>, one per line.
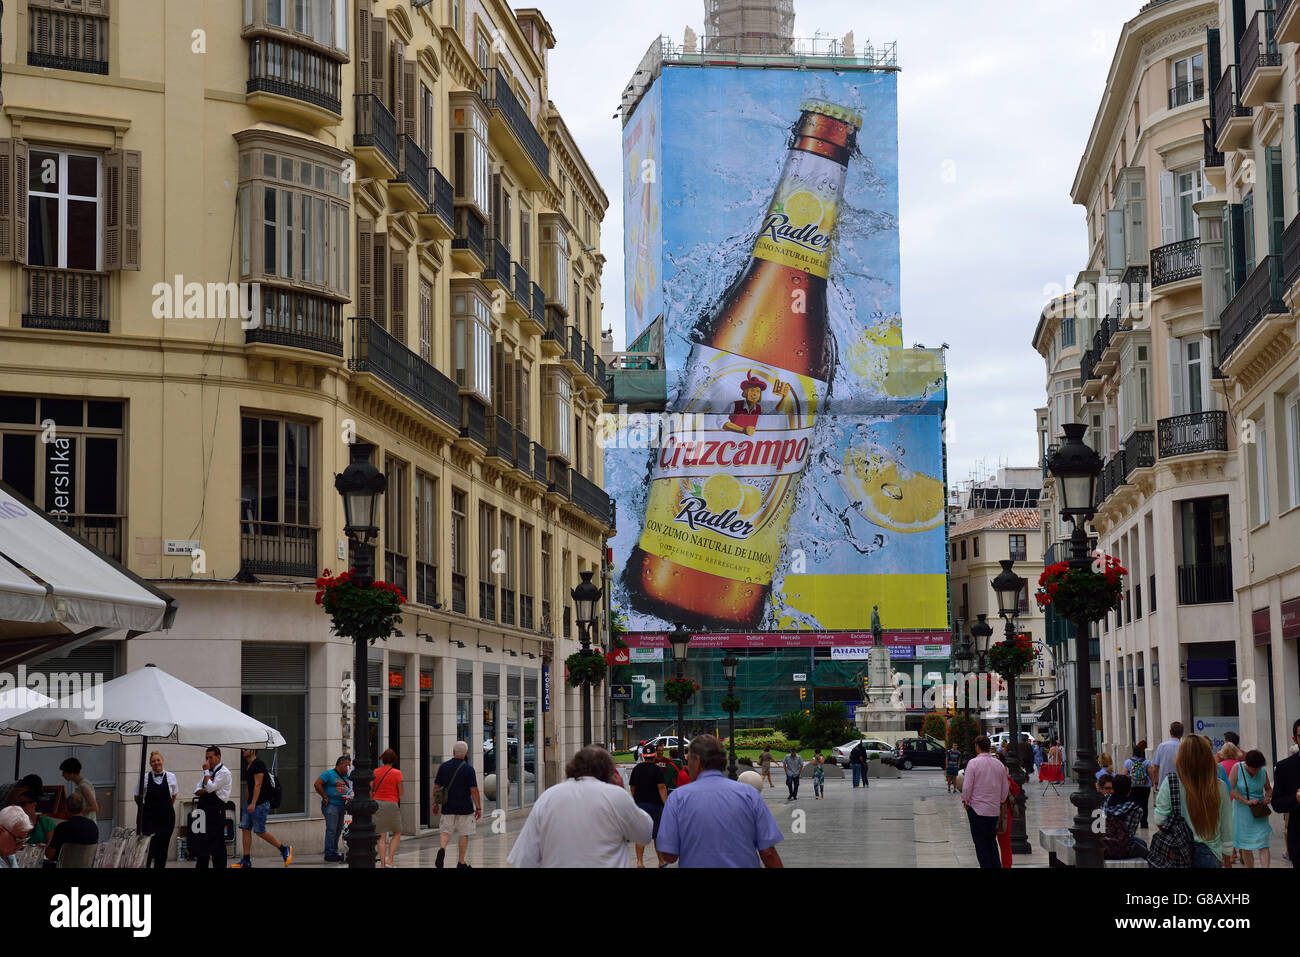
<point x="748" y="26"/>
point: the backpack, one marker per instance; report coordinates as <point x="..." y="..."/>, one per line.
<point x="272" y="789"/>
<point x="1138" y="772"/>
<point x="1115" y="845"/>
<point x="1171" y="846"/>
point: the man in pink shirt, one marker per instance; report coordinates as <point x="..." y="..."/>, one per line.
<point x="984" y="788"/>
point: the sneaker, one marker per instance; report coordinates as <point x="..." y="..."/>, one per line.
<point x="463" y="865"/>
<point x="286" y="852"/>
<point x="442" y="853"/>
<point x="332" y="859"/>
<point x="243" y="862"/>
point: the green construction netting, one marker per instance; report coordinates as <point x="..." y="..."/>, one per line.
<point x="639" y="387"/>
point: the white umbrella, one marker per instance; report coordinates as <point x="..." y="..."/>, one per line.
<point x="14" y="702"/>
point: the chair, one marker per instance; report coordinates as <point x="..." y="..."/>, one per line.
<point x="105" y="850"/>
<point x="136" y="855"/>
<point x="31" y="855"/>
<point x="1051" y="775"/>
<point x="81" y="856"/>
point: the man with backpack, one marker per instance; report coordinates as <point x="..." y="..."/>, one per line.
<point x="1139" y="773"/>
<point x="264" y="792"/>
<point x="1123" y="815"/>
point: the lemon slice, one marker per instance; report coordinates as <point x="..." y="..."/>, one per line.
<point x="890" y="495"/>
<point x="804" y="208"/>
<point x="751" y="500"/>
<point x="912" y="373"/>
<point x="722" y="492"/>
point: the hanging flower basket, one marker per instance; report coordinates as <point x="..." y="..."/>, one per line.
<point x="1081" y="594"/>
<point x="585" y="669"/>
<point x="360" y="611"/>
<point x="1011" y="656"/>
<point x="680" y="690"/>
<point x="730" y="705"/>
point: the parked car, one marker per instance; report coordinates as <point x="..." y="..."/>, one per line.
<point x="997" y="740"/>
<point x="841" y="753"/>
<point x="667" y="741"/>
<point x="920" y="752"/>
<point x="490" y="758"/>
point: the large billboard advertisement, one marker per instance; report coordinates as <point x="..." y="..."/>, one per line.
<point x="642" y="228"/>
<point x="796" y="478"/>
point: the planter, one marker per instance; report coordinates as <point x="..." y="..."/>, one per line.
<point x="1077" y="594"/>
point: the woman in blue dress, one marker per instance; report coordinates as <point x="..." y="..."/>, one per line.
<point x="1250" y="788"/>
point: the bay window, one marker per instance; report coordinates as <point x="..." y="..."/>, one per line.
<point x="323" y="23"/>
<point x="472" y="342"/>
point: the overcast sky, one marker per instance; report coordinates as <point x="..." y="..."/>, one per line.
<point x="1000" y="95"/>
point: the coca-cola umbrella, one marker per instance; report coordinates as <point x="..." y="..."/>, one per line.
<point x="16" y="701"/>
<point x="148" y="704"/>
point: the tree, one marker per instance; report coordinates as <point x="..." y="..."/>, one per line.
<point x="935" y="725"/>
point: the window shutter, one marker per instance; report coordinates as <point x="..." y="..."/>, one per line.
<point x="1176" y="376"/>
<point x="1214" y="68"/>
<point x="410" y="82"/>
<point x="521" y="398"/>
<point x="1276" y="205"/>
<point x="498" y="393"/>
<point x="381" y="279"/>
<point x="426" y="321"/>
<point x="1209" y="400"/>
<point x="113" y="213"/>
<point x="365" y="267"/>
<point x="399" y="296"/>
<point x="13" y="201"/>
<point x="131" y="187"/>
<point x="1246" y="233"/>
<point x="1295" y="128"/>
<point x="1114" y="240"/>
<point x="362" y="46"/>
<point x="378" y="55"/>
<point x="508" y="382"/>
<point x="396" y="87"/>
<point x="1168" y="216"/>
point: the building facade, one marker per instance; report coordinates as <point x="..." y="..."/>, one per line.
<point x="308" y="233"/>
<point x="1255" y="128"/>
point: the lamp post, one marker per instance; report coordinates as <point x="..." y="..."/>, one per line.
<point x="981" y="632"/>
<point x="1075" y="468"/>
<point x="585" y="599"/>
<point x="729" y="666"/>
<point x="1008" y="586"/>
<point x="964" y="665"/>
<point x="360" y="485"/>
<point x="680" y="638"/>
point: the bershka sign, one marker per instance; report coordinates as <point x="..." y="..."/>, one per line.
<point x="75" y="910"/>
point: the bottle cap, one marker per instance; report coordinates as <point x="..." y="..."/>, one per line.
<point x="834" y="111"/>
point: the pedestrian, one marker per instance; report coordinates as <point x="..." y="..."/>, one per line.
<point x="1123" y="818"/>
<point x="387" y="790"/>
<point x="457" y="803"/>
<point x="157" y="809"/>
<point x="984" y="788"/>
<point x="586" y="821"/>
<point x="1139" y="773"/>
<point x="207" y="823"/>
<point x="674" y="774"/>
<point x="952" y="763"/>
<point x="819" y="775"/>
<point x="253" y="819"/>
<point x="1040" y="754"/>
<point x="1286" y="796"/>
<point x="1162" y="762"/>
<point x="649" y="792"/>
<point x="1006" y="812"/>
<point x="1106" y="785"/>
<point x="14" y="827"/>
<point x="42" y="824"/>
<point x="858" y="761"/>
<point x="77" y="831"/>
<point x="717" y="822"/>
<point x="1203" y="800"/>
<point x="793" y="765"/>
<point x="1055" y="754"/>
<point x="71" y="769"/>
<point x="1250" y="789"/>
<point x="1103" y="764"/>
<point x="335" y="790"/>
<point x="1228" y="756"/>
<point x="765" y="761"/>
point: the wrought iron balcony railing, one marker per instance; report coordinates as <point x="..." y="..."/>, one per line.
<point x="300" y="320"/>
<point x="375" y="126"/>
<point x="268" y="548"/>
<point x="1204" y="584"/>
<point x="67" y="40"/>
<point x="523" y="445"/>
<point x="1175" y="261"/>
<point x="469" y="233"/>
<point x="522" y="289"/>
<point x="498" y="263"/>
<point x="1088" y="366"/>
<point x="103" y="532"/>
<point x="413" y="168"/>
<point x="458" y="593"/>
<point x="473" y="421"/>
<point x="444" y="199"/>
<point x="1185" y="93"/>
<point x="500" y="438"/>
<point x="72" y="299"/>
<point x="288" y="69"/>
<point x="487" y="601"/>
<point x="539" y="304"/>
<point x="1213" y="158"/>
<point x="1227" y="99"/>
<point x="500" y="97"/>
<point x="376" y="352"/>
<point x="1291" y="252"/>
<point x="426" y="583"/>
<point x="1139" y="452"/>
<point x="1260" y="295"/>
<point x="558" y="474"/>
<point x="539" y="463"/>
<point x="1258" y="48"/>
<point x="507" y="606"/>
<point x="1191" y="433"/>
<point x="590" y="497"/>
<point x="575" y="345"/>
<point x="526" y="612"/>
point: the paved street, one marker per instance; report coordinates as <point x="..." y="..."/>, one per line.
<point x="906" y="822"/>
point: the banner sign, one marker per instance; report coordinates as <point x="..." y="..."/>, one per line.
<point x="546" y="689"/>
<point x="791" y="639"/>
<point x="933" y="651"/>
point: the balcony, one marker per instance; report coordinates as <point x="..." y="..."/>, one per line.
<point x="1259" y="296"/>
<point x="606" y="381"/>
<point x="409" y="191"/>
<point x="1192" y="433"/>
<point x="554" y="338"/>
<point x="497" y="270"/>
<point x="473" y="421"/>
<point x="102" y="532"/>
<point x="539" y="465"/>
<point x="1185" y="93"/>
<point x="1232" y="119"/>
<point x="591" y="498"/>
<point x="500" y="442"/>
<point x="376" y="352"/>
<point x="520" y="306"/>
<point x="514" y="133"/>
<point x="63" y="40"/>
<point x="1087" y="366"/>
<point x="458" y="593"/>
<point x="287" y="81"/>
<point x="375" y="141"/>
<point x="1204" y="584"/>
<point x="298" y="320"/>
<point x="72" y="300"/>
<point x="523" y="453"/>
<point x="468" y="247"/>
<point x="1261" y="62"/>
<point x="572" y="356"/>
<point x="1287" y="19"/>
<point x="267" y="548"/>
<point x="558" y="479"/>
<point x="1139" y="452"/>
<point x="438" y="220"/>
<point x="426" y="584"/>
<point x="538" y="314"/>
<point x="1175" y="262"/>
<point x="1291" y="253"/>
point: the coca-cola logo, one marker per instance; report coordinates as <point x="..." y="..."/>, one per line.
<point x="695" y="514"/>
<point x="121" y="727"/>
<point x="777" y="228"/>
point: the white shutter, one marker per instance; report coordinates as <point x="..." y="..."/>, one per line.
<point x="1176" y="377"/>
<point x="1115" y="240"/>
<point x="1209" y="399"/>
<point x="1168" y="210"/>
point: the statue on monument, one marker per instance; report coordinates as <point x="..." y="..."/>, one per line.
<point x="877" y="636"/>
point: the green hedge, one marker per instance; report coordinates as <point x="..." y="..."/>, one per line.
<point x="776" y="741"/>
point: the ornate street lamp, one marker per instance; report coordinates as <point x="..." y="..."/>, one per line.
<point x="586" y="597"/>
<point x="1075" y="468"/>
<point x="1009" y="586"/>
<point x="360" y="485"/>
<point x="964" y="666"/>
<point x="729" y="666"/>
<point x="980" y="633"/>
<point x="680" y="638"/>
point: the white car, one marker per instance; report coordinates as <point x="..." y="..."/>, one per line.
<point x="841" y="753"/>
<point x="667" y="741"/>
<point x="997" y="740"/>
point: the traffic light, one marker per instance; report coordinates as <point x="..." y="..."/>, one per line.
<point x="803" y="693"/>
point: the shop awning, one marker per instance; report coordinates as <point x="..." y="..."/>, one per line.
<point x="57" y="592"/>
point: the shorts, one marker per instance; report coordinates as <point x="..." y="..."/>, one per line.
<point x="656" y="812"/>
<point x="387" y="818"/>
<point x="255" y="822"/>
<point x="457" y="825"/>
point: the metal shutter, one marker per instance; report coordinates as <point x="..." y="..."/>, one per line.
<point x="268" y="667"/>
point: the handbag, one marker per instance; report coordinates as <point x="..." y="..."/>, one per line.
<point x="1171" y="846"/>
<point x="443" y="791"/>
<point x="1258" y="810"/>
<point x="1005" y="813"/>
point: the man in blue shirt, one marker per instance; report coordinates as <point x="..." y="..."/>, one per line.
<point x="335" y="790"/>
<point x="714" y="821"/>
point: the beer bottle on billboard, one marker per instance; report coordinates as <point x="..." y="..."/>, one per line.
<point x="723" y="484"/>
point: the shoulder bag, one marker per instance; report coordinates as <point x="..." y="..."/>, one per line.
<point x="1259" y="810"/>
<point x="1171" y="846"/>
<point x="443" y="791"/>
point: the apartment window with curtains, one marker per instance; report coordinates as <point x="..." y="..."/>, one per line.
<point x="68" y="35"/>
<point x="487" y="577"/>
<point x="397" y="552"/>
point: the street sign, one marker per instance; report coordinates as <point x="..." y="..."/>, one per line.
<point x="800" y="676"/>
<point x="620" y="692"/>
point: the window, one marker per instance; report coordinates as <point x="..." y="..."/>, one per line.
<point x="64" y="214"/>
<point x="1293" y="448"/>
<point x="458" y="16"/>
<point x="426" y="120"/>
<point x="323" y="22"/>
<point x="1135" y="385"/>
<point x="61" y="36"/>
<point x="276" y="508"/>
<point x="426" y="539"/>
<point x="545" y="624"/>
<point x="459" y="553"/>
<point x="487" y="589"/>
<point x="526" y="619"/>
<point x="1018" y="548"/>
<point x="1188" y="80"/>
<point x="274" y="689"/>
<point x="954" y="551"/>
<point x="1024" y="599"/>
<point x="1248" y="230"/>
<point x="470" y="159"/>
<point x="426" y="321"/>
<point x="396" y="515"/>
<point x="555" y="262"/>
<point x="1179" y="190"/>
<point x="963" y="549"/>
<point x="472" y="340"/>
<point x="1067" y="332"/>
<point x="77" y="476"/>
<point x="975" y="546"/>
<point x="557" y="434"/>
<point x="1189" y="375"/>
<point x="506" y="570"/>
<point x="1259" y="511"/>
